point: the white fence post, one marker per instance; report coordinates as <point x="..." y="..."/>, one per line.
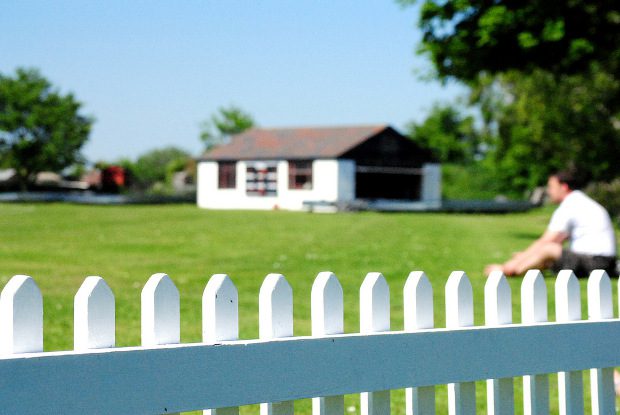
<point x="220" y="320"/>
<point x="21" y="316"/>
<point x="534" y="310"/>
<point x="568" y="308"/>
<point x="374" y="318"/>
<point x="460" y="313"/>
<point x="161" y="312"/>
<point x="600" y="307"/>
<point x="497" y="312"/>
<point x="93" y="315"/>
<point x="327" y="310"/>
<point x="275" y="310"/>
<point x="418" y="305"/>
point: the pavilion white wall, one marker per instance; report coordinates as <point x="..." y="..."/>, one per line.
<point x="333" y="181"/>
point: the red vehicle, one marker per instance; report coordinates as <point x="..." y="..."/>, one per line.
<point x="113" y="178"/>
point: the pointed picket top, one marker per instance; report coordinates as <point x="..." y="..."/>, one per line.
<point x="568" y="308"/>
<point x="533" y="298"/>
<point x="220" y="320"/>
<point x="220" y="310"/>
<point x="567" y="297"/>
<point x="418" y="299"/>
<point x="160" y="311"/>
<point x="327" y="306"/>
<point x="460" y="313"/>
<point x="418" y="309"/>
<point x="21" y="316"/>
<point x="534" y="310"/>
<point x="275" y="307"/>
<point x="374" y="317"/>
<point x="93" y="315"/>
<point x="459" y="301"/>
<point x="600" y="303"/>
<point x="498" y="311"/>
<point x="497" y="300"/>
<point x="327" y="318"/>
<point x="275" y="314"/>
<point x="374" y="304"/>
<point x="600" y="307"/>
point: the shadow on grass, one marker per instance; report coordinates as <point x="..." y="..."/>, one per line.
<point x="530" y="236"/>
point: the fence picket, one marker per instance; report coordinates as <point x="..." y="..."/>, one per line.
<point x="220" y="320"/>
<point x="21" y="316"/>
<point x="600" y="307"/>
<point x="460" y="313"/>
<point x="534" y="310"/>
<point x="418" y="305"/>
<point x="93" y="315"/>
<point x="160" y="311"/>
<point x="375" y="317"/>
<point x="327" y="308"/>
<point x="497" y="312"/>
<point x="187" y="377"/>
<point x="220" y="310"/>
<point x="275" y="311"/>
<point x="568" y="308"/>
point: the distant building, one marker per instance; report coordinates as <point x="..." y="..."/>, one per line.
<point x="8" y="179"/>
<point x="287" y="168"/>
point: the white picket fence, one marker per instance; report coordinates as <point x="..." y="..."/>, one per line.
<point x="163" y="376"/>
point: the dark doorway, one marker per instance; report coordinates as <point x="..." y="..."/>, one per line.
<point x="388" y="183"/>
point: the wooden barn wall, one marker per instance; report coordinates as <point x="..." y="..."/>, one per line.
<point x="389" y="148"/>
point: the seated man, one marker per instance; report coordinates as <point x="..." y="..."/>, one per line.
<point x="578" y="219"/>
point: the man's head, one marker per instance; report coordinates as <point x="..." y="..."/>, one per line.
<point x="561" y="183"/>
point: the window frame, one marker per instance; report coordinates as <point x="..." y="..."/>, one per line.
<point x="226" y="174"/>
<point x="261" y="179"/>
<point x="298" y="169"/>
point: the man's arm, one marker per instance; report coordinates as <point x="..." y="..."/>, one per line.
<point x="536" y="255"/>
<point x="547" y="237"/>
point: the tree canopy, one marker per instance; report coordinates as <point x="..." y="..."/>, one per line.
<point x="156" y="165"/>
<point x="225" y="122"/>
<point x="544" y="76"/>
<point x="465" y="37"/>
<point x="451" y="136"/>
<point x="40" y="128"/>
<point x="541" y="123"/>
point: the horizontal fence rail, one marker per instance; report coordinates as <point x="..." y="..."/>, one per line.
<point x="163" y="376"/>
<point x="185" y="377"/>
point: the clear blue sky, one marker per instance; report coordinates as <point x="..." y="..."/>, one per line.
<point x="151" y="71"/>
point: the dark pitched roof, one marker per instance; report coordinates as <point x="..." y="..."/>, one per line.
<point x="293" y="143"/>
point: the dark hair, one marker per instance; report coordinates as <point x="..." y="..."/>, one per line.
<point x="571" y="177"/>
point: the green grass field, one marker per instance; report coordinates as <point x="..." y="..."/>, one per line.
<point x="59" y="245"/>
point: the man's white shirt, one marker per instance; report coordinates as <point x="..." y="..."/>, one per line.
<point x="586" y="223"/>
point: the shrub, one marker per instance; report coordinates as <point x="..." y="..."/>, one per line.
<point x="474" y="181"/>
<point x="608" y="195"/>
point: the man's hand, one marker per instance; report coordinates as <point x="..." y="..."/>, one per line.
<point x="493" y="267"/>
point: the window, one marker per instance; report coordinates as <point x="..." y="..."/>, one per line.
<point x="300" y="174"/>
<point x="227" y="174"/>
<point x="262" y="179"/>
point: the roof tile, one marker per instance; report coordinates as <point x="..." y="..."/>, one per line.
<point x="293" y="143"/>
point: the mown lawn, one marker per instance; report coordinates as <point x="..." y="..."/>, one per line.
<point x="59" y="245"/>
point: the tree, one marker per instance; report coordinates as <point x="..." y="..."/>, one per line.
<point x="543" y="75"/>
<point x="466" y="37"/>
<point x="221" y="125"/>
<point x="157" y="165"/>
<point x="537" y="133"/>
<point x="40" y="129"/>
<point x="451" y="136"/>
